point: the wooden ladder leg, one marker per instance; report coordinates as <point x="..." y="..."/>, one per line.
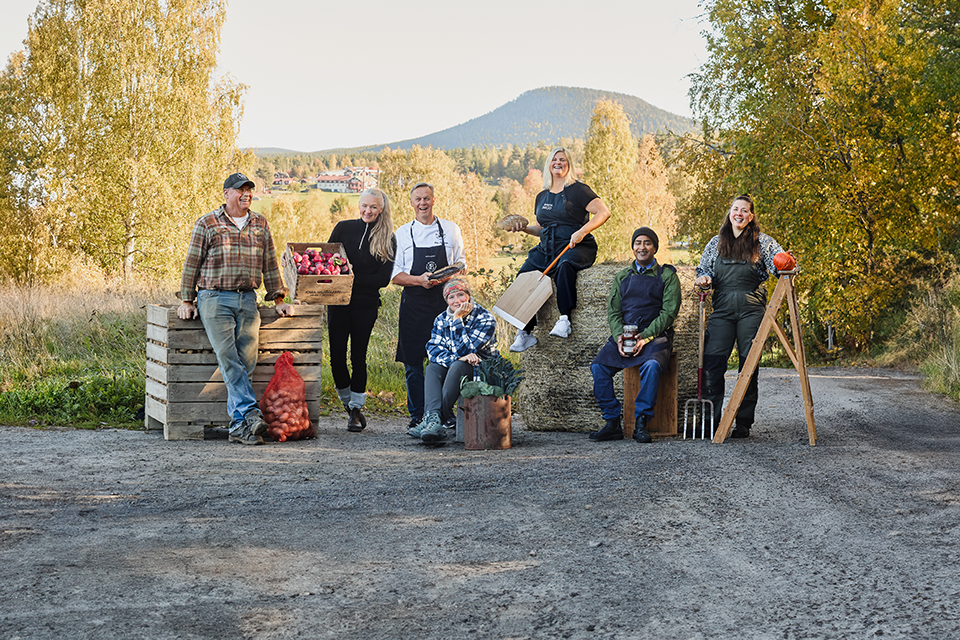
<point x="801" y="362"/>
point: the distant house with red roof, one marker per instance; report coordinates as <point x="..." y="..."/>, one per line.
<point x="339" y="183"/>
<point x="282" y="178"/>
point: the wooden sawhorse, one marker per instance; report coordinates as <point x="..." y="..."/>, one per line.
<point x="785" y="289"/>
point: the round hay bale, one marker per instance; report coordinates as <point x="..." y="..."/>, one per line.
<point x="558" y="389"/>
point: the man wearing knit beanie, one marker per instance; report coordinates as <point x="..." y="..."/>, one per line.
<point x="650" y="233"/>
<point x="647" y="296"/>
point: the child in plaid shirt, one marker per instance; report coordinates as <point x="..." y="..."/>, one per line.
<point x="462" y="336"/>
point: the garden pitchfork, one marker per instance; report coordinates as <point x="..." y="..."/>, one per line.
<point x="693" y="406"/>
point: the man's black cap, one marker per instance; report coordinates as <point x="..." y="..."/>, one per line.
<point x="238" y="181"/>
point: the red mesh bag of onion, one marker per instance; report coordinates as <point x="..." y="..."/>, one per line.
<point x="284" y="403"/>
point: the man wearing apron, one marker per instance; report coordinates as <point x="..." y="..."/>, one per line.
<point x="424" y="245"/>
<point x="646" y="295"/>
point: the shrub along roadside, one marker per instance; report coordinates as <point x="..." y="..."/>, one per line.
<point x="70" y="355"/>
<point x="932" y="329"/>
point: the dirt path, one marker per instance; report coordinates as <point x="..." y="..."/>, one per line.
<point x="119" y="534"/>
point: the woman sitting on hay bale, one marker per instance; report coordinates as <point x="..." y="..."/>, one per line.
<point x="564" y="209"/>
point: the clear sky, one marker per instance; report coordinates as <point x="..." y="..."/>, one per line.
<point x="343" y="74"/>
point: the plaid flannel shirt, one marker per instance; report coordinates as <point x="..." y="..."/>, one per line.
<point x="452" y="338"/>
<point x="221" y="256"/>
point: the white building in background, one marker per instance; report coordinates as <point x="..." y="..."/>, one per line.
<point x="339" y="184"/>
<point x="368" y="176"/>
<point x="349" y="180"/>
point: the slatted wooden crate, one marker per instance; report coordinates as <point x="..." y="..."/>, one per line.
<point x="185" y="391"/>
<point x="317" y="289"/>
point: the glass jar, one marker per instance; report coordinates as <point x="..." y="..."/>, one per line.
<point x="630" y="339"/>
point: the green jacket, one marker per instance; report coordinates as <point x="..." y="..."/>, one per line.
<point x="668" y="313"/>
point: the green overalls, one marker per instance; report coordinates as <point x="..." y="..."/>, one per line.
<point x="739" y="302"/>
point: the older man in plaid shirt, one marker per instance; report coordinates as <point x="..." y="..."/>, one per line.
<point x="231" y="253"/>
<point x="462" y="336"/>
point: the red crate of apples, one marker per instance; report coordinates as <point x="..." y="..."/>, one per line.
<point x="318" y="272"/>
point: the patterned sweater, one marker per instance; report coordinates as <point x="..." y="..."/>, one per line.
<point x="768" y="248"/>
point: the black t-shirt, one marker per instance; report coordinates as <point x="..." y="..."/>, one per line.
<point x="569" y="207"/>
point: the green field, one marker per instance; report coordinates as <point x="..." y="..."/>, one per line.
<point x="263" y="202"/>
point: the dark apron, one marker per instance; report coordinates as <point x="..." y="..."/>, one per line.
<point x="419" y="307"/>
<point x="641" y="302"/>
<point x="739" y="301"/>
<point x="556" y="227"/>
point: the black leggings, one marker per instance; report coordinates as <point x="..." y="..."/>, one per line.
<point x="565" y="276"/>
<point x="354" y="321"/>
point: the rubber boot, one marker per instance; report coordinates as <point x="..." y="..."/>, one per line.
<point x="613" y="430"/>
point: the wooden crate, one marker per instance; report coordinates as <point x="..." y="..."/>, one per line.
<point x="664" y="423"/>
<point x="319" y="289"/>
<point x="185" y="391"/>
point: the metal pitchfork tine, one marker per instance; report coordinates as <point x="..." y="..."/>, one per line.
<point x="692" y="405"/>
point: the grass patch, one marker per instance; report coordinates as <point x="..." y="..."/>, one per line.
<point x="74" y="354"/>
<point x="386" y="386"/>
<point x="266" y="200"/>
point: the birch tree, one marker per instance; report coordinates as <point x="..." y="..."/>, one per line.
<point x="126" y="134"/>
<point x="460" y="198"/>
<point x="630" y="177"/>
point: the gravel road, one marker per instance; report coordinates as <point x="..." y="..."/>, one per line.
<point x="119" y="534"/>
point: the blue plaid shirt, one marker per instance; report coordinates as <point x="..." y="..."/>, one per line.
<point x="452" y="338"/>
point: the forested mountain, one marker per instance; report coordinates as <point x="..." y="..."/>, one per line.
<point x="545" y="114"/>
<point x="548" y="114"/>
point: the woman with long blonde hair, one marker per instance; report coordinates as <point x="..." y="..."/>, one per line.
<point x="370" y="246"/>
<point x="567" y="212"/>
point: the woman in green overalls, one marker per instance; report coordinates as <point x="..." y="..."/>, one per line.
<point x="737" y="263"/>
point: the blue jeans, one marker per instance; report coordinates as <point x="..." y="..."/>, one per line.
<point x="414" y="377"/>
<point x="232" y="323"/>
<point x="646" y="399"/>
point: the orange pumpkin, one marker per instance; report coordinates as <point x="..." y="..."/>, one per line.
<point x="784" y="261"/>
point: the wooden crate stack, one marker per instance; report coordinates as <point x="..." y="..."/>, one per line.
<point x="185" y="391"/>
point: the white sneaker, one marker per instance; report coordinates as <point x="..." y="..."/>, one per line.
<point x="524" y="341"/>
<point x="562" y="328"/>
